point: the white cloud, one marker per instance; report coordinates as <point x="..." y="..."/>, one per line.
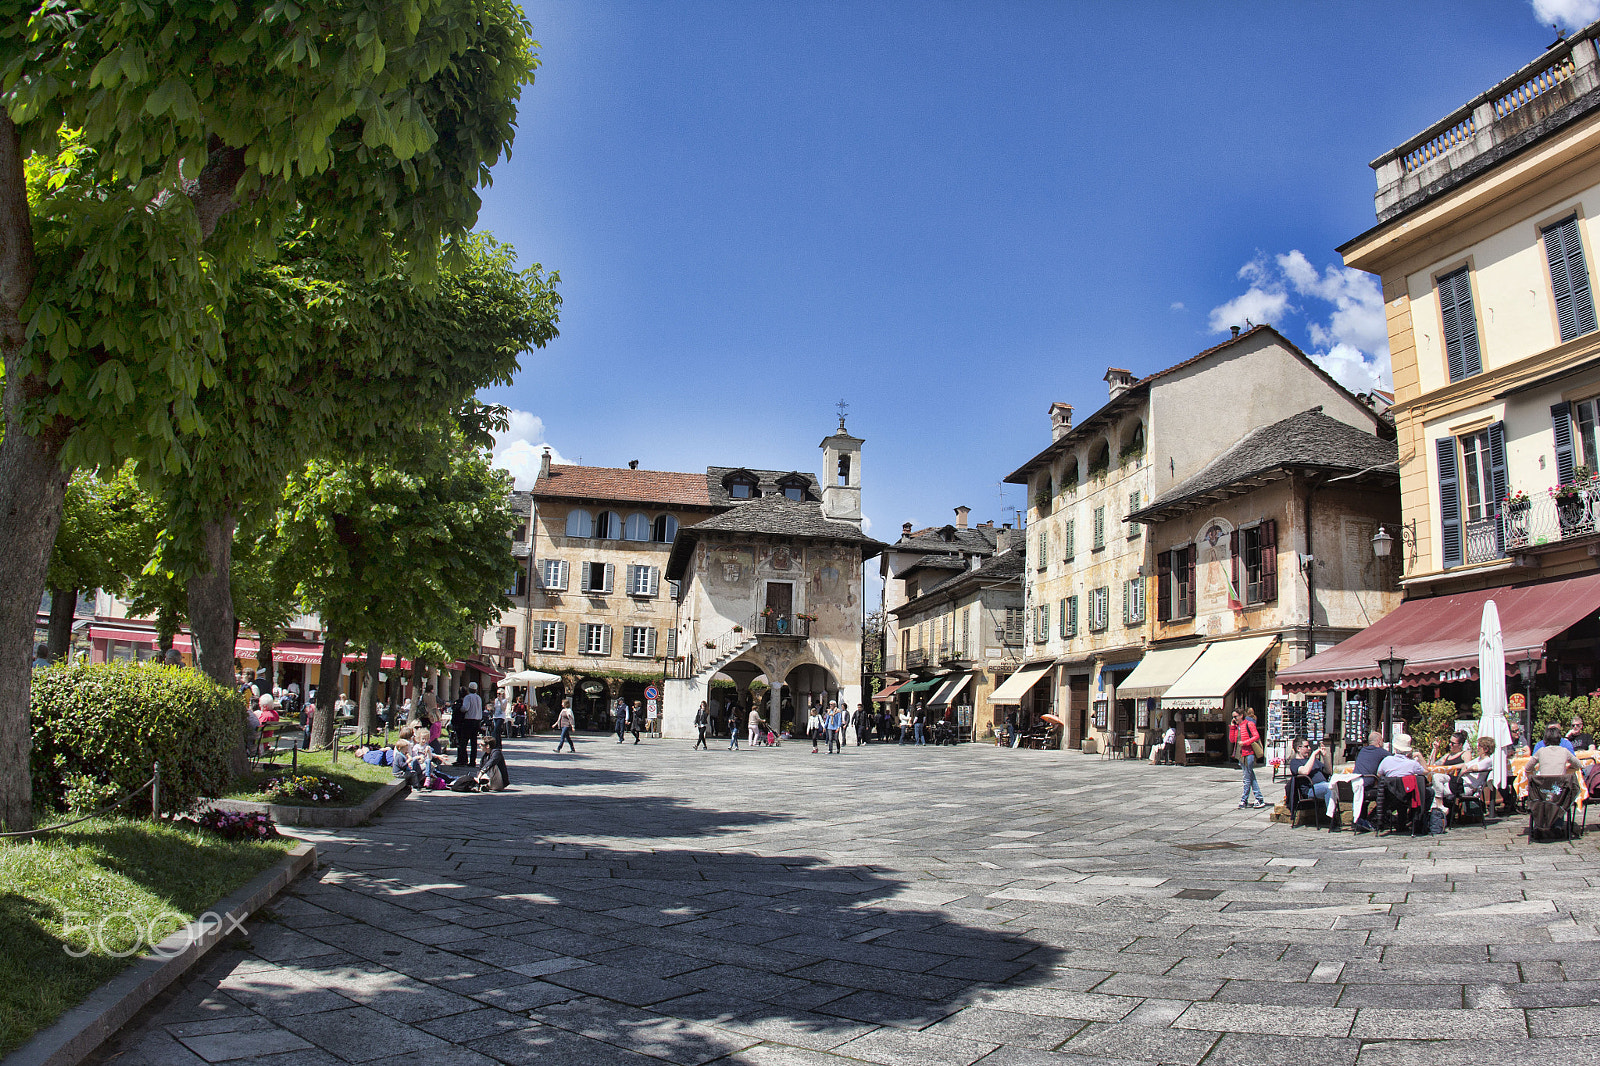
<point x="1569" y="14"/>
<point x="866" y="523"/>
<point x="1177" y="305"/>
<point x="1342" y="310"/>
<point x="520" y="449"/>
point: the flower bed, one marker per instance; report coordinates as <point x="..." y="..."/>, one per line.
<point x="304" y="788"/>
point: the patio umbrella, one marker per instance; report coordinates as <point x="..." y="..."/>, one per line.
<point x="1492" y="689"/>
<point x="1052" y="719"/>
<point x="528" y="679"/>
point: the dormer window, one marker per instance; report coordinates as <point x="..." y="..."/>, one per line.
<point x="793" y="485"/>
<point x="740" y="490"/>
<point x="740" y="485"/>
<point x="794" y="492"/>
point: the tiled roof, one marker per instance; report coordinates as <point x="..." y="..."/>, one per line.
<point x="940" y="561"/>
<point x="766" y="483"/>
<point x="978" y="540"/>
<point x="665" y="487"/>
<point x="1309" y="439"/>
<point x="775" y="515"/>
<point x="1007" y="566"/>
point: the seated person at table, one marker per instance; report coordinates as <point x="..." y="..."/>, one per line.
<point x="1394" y="769"/>
<point x="1553" y="738"/>
<point x="1560" y="771"/>
<point x="1308" y="773"/>
<point x="1368" y="759"/>
<point x="1471" y="779"/>
<point x="1456" y="754"/>
<point x="1577" y="737"/>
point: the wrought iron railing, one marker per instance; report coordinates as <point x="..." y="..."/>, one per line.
<point x="1547" y="520"/>
<point x="917" y="657"/>
<point x="783" y="625"/>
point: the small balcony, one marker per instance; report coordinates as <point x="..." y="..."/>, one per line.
<point x="794" y="627"/>
<point x="953" y="653"/>
<point x="917" y="657"/>
<point x="1546" y="522"/>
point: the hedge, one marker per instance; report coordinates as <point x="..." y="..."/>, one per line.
<point x="98" y="728"/>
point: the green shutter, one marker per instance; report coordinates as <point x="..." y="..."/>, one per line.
<point x="1569" y="279"/>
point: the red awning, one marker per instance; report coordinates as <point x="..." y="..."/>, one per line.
<point x="361" y="657"/>
<point x="888" y="693"/>
<point x="1438" y="636"/>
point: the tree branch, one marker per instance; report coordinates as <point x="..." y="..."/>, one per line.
<point x="16" y="233"/>
<point x="212" y="192"/>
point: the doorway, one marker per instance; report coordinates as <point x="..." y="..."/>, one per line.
<point x="780" y="606"/>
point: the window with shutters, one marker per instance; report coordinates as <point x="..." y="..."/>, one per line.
<point x="1042" y="554"/>
<point x="608" y="526"/>
<point x="1070" y="537"/>
<point x="1070" y="611"/>
<point x="597" y="577"/>
<point x="1100" y="609"/>
<point x="1460" y="325"/>
<point x="1449" y="502"/>
<point x="508" y="636"/>
<point x="637" y="527"/>
<point x="519" y="587"/>
<point x="1133" y="601"/>
<point x="580" y="523"/>
<point x="1061" y="618"/>
<point x="1135" y="529"/>
<point x="1258" y="557"/>
<point x="552" y="637"/>
<point x="1584" y="415"/>
<point x="1175" y="584"/>
<point x="553" y="574"/>
<point x="594" y="638"/>
<point x="675" y="590"/>
<point x="1569" y="279"/>
<point x="1475" y="476"/>
<point x="1099" y="528"/>
<point x="1041" y="623"/>
<point x="664" y="530"/>
<point x="643" y="580"/>
<point x="1013" y="630"/>
<point x="641" y="641"/>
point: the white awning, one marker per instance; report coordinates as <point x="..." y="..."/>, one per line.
<point x="1206" y="684"/>
<point x="1013" y="688"/>
<point x="1157" y="671"/>
<point x="949" y="690"/>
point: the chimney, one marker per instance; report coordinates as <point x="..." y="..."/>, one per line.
<point x="961" y="517"/>
<point x="1118" y="380"/>
<point x="1235" y="330"/>
<point x="544" y="465"/>
<point x="633" y="464"/>
<point x="905" y="531"/>
<point x="1060" y="420"/>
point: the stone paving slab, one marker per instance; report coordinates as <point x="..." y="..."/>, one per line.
<point x="940" y="906"/>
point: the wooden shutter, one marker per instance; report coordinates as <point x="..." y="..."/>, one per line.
<point x="1561" y="424"/>
<point x="1072" y="541"/>
<point x="1099" y="528"/>
<point x="605" y="634"/>
<point x="1497" y="481"/>
<point x="584" y="577"/>
<point x="561" y="638"/>
<point x="655" y="583"/>
<point x="1449" y="503"/>
<point x="610" y="576"/>
<point x="1269" y="560"/>
<point x="1233" y="564"/>
<point x="1569" y="279"/>
<point x="1072" y="606"/>
<point x="1062" y="622"/>
<point x="1164" y="587"/>
<point x="632" y="578"/>
<point x="650" y="642"/>
<point x="1460" y="325"/>
<point x="1042" y="634"/>
<point x="1189" y="554"/>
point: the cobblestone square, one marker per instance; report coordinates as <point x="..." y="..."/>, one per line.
<point x="895" y="905"/>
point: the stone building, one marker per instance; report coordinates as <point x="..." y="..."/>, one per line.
<point x="601" y="609"/>
<point x="1485" y="244"/>
<point x="772" y="589"/>
<point x="1089" y="569"/>
<point x="920" y="559"/>
<point x="1262" y="557"/>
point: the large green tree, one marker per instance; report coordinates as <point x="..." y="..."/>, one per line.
<point x="402" y="552"/>
<point x="151" y="152"/>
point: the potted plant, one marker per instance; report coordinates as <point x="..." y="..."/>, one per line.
<point x="1516" y="502"/>
<point x="711" y="645"/>
<point x="1572" y="502"/>
<point x="738" y="629"/>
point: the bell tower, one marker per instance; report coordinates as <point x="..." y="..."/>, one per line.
<point x="841" y="474"/>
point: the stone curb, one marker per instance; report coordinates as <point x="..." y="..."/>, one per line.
<point x="326" y="817"/>
<point x="85" y="1027"/>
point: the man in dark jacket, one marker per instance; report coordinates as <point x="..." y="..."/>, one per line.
<point x="1368" y="759"/>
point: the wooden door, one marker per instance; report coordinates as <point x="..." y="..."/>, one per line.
<point x="780" y="605"/>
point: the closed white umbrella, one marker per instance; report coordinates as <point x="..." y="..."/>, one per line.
<point x="528" y="679"/>
<point x="1492" y="690"/>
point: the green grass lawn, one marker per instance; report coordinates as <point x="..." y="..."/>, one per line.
<point x="358" y="779"/>
<point x="86" y="889"/>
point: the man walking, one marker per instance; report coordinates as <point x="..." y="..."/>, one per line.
<point x="635" y="716"/>
<point x="621" y="713"/>
<point x="831" y="724"/>
<point x="471" y="724"/>
<point x="501" y="714"/>
<point x="564" y="722"/>
<point x="919" y="724"/>
<point x="733" y="730"/>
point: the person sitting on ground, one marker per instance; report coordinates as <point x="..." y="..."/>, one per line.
<point x="1553" y="774"/>
<point x="1308" y="773"/>
<point x="491" y="774"/>
<point x="1368" y="759"/>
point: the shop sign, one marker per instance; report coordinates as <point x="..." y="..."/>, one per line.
<point x="592" y="688"/>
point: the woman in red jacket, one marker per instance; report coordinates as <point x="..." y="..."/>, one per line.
<point x="1244" y="736"/>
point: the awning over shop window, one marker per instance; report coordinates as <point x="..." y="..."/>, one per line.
<point x="888" y="694"/>
<point x="295" y="651"/>
<point x="924" y="685"/>
<point x="949" y="690"/>
<point x="1206" y="684"/>
<point x="1157" y="671"/>
<point x="1015" y="686"/>
<point x="1438" y="636"/>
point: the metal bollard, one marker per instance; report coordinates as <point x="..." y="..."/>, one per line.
<point x="294" y="756"/>
<point x="155" y="792"/>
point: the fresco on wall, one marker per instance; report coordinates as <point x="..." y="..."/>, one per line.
<point x="1213" y="567"/>
<point x="783" y="557"/>
<point x="733" y="566"/>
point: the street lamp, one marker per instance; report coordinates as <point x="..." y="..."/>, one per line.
<point x="1382" y="544"/>
<point x="1527" y="669"/>
<point x="1390" y="668"/>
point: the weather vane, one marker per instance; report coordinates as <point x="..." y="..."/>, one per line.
<point x="842" y="406"/>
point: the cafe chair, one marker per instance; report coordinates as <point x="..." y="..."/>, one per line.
<point x="1479" y="805"/>
<point x="1551" y="800"/>
<point x="1297" y="796"/>
<point x="1394" y="809"/>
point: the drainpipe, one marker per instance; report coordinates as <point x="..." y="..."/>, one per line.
<point x="1309" y="567"/>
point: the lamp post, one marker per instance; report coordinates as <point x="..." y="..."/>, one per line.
<point x="1527" y="669"/>
<point x="1382" y="543"/>
<point x="1391" y="669"/>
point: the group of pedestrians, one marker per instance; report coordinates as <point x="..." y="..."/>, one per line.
<point x="829" y="725"/>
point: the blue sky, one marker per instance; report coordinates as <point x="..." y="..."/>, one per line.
<point x="948" y="214"/>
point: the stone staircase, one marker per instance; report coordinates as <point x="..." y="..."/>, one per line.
<point x="705" y="669"/>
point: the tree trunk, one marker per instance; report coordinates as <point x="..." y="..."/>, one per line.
<point x="211" y="605"/>
<point x="63" y="608"/>
<point x="368" y="715"/>
<point x="32" y="488"/>
<point x="327" y="689"/>
<point x="264" y="659"/>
